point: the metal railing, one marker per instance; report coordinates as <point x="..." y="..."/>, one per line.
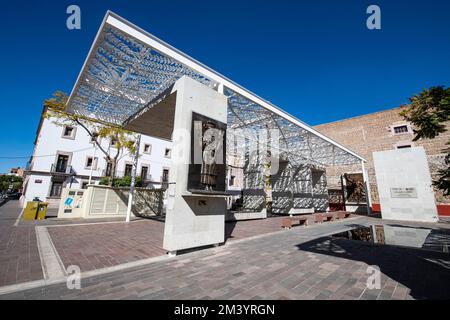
<point x="55" y="168"/>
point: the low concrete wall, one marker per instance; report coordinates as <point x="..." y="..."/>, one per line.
<point x="249" y="215"/>
<point x="356" y="208"/>
<point x="103" y="201"/>
<point x="294" y="211"/>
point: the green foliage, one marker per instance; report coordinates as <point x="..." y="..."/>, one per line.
<point x="104" y="181"/>
<point x="57" y="102"/>
<point x="121" y="182"/>
<point x="55" y="110"/>
<point x="6" y="181"/>
<point x="428" y="112"/>
<point x="443" y="183"/>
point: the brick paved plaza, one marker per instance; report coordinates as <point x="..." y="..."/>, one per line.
<point x="266" y="263"/>
<point x="19" y="255"/>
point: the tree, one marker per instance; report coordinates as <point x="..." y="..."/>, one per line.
<point x="122" y="182"/>
<point x="124" y="140"/>
<point x="8" y="182"/>
<point x="428" y="112"/>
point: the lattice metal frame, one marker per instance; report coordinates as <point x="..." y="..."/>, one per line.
<point x="123" y="75"/>
<point x="128" y="68"/>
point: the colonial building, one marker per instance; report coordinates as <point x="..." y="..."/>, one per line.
<point x="380" y="131"/>
<point x="67" y="157"/>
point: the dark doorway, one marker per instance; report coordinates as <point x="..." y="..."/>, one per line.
<point x="56" y="189"/>
<point x="61" y="163"/>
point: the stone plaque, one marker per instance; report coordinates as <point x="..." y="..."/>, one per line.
<point x="403" y="193"/>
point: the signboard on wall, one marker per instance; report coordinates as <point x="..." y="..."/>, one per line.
<point x="403" y="193"/>
<point x="73" y="200"/>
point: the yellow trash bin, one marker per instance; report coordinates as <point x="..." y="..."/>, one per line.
<point x="30" y="211"/>
<point x="42" y="210"/>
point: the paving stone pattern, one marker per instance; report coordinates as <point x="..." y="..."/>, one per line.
<point x="19" y="254"/>
<point x="297" y="264"/>
<point x="104" y="245"/>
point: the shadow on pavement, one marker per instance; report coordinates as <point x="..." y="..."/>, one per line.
<point x="229" y="227"/>
<point x="425" y="273"/>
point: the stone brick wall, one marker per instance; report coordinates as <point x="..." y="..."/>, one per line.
<point x="374" y="132"/>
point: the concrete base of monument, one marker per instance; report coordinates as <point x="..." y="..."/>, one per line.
<point x="193" y="219"/>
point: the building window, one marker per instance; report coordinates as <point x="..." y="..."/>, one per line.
<point x="231" y="183"/>
<point x="68" y="132"/>
<point x="108" y="170"/>
<point x="401" y="129"/>
<point x="128" y="169"/>
<point x="147" y="148"/>
<point x="144" y="173"/>
<point x="84" y="184"/>
<point x="404" y="146"/>
<point x="62" y="163"/>
<point x="165" y="176"/>
<point x="56" y="189"/>
<point x="167" y="153"/>
<point x="91" y="163"/>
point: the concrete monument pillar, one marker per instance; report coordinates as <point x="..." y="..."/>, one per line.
<point x="196" y="205"/>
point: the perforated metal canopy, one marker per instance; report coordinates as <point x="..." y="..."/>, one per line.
<point x="127" y="69"/>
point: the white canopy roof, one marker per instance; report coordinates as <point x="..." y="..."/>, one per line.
<point x="127" y="69"/>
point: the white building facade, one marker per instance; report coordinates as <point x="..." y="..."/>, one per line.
<point x="66" y="157"/>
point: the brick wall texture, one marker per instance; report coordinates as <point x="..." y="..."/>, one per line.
<point x="374" y="132"/>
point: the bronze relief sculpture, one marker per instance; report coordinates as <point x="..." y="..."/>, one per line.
<point x="207" y="170"/>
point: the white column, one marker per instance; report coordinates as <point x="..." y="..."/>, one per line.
<point x="367" y="185"/>
<point x="133" y="178"/>
<point x="312" y="189"/>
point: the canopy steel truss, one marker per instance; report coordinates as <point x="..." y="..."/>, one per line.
<point x="127" y="69"/>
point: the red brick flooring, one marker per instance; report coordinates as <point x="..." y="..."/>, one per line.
<point x="250" y="228"/>
<point x="19" y="254"/>
<point x="104" y="245"/>
<point x="93" y="245"/>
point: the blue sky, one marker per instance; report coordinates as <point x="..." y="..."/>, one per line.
<point x="315" y="59"/>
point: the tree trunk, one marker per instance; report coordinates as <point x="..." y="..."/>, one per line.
<point x="114" y="167"/>
<point x="112" y="174"/>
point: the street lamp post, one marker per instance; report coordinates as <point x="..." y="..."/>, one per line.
<point x="92" y="165"/>
<point x="133" y="178"/>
